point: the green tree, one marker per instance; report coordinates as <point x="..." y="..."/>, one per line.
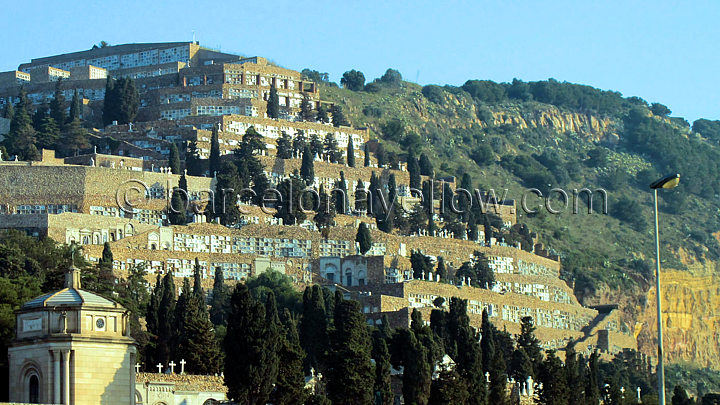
<point x="340" y="195"/>
<point x="74" y="138"/>
<point x="417" y="371"/>
<point x="75" y="107"/>
<point x="530" y="344"/>
<point x="465" y="349"/>
<point x="350" y="373"/>
<point x="363" y="238"/>
<point x="306" y="110"/>
<point x="330" y="146"/>
<point x="220" y="301"/>
<point x="174" y="159"/>
<point x="214" y="153"/>
<point x="313" y="327"/>
<point x="290" y="209"/>
<point x="247" y="376"/>
<point x="273" y="103"/>
<point x="366" y="153"/>
<point x="57" y="106"/>
<point x="353" y="80"/>
<point x="284" y="146"/>
<point x="421" y="265"/>
<point x="381" y="355"/>
<point x="226" y="194"/>
<point x="316" y="146"/>
<point x="298" y="144"/>
<point x="498" y="379"/>
<point x="554" y="389"/>
<point x="193" y="164"/>
<point x="414" y="171"/>
<point x="660" y="110"/>
<point x="198" y="345"/>
<point x="307" y="167"/>
<point x="425" y="166"/>
<point x="177" y="210"/>
<point x="448" y="389"/>
<point x="680" y="396"/>
<point x="121" y="102"/>
<point x="322" y="114"/>
<point x="325" y="215"/>
<point x="520" y="365"/>
<point x="338" y="117"/>
<point x="48" y="133"/>
<point x="166" y="332"/>
<point x="290" y="387"/>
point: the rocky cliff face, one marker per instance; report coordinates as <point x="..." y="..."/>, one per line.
<point x="691" y="316"/>
<point x="588" y="126"/>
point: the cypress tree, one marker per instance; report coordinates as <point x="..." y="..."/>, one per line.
<point x="290" y="386"/>
<point x="466" y="351"/>
<point x="284" y="146"/>
<point x="573" y="377"/>
<point x="498" y="379"/>
<point x="246" y="376"/>
<point x="340" y="195"/>
<point x="330" y="146"/>
<point x="226" y="189"/>
<point x="273" y="338"/>
<point x="306" y="111"/>
<point x="38" y="117"/>
<point x="152" y="319"/>
<point x="529" y="343"/>
<point x="220" y="302"/>
<point x="325" y="215"/>
<point x="166" y="333"/>
<point x="177" y="209"/>
<point x="680" y="396"/>
<point x="48" y="133"/>
<point x="414" y="171"/>
<point x="298" y="144"/>
<point x="322" y="115"/>
<point x="75" y="107"/>
<point x="448" y="389"/>
<point x="425" y="166"/>
<point x="363" y="238"/>
<point x="350" y="153"/>
<point x="366" y="152"/>
<point x="197" y="281"/>
<point x="106" y="277"/>
<point x="592" y="389"/>
<point x="307" y="168"/>
<point x="193" y="163"/>
<point x="128" y="100"/>
<point x="551" y="375"/>
<point x="199" y="346"/>
<point x="441" y="270"/>
<point x="521" y="365"/>
<point x="214" y="153"/>
<point x="9" y="110"/>
<point x="313" y="327"/>
<point x="57" y="106"/>
<point x="417" y="372"/>
<point x="273" y="103"/>
<point x="350" y="374"/>
<point x="316" y="146"/>
<point x="110" y="105"/>
<point x="174" y="159"/>
<point x="487" y="344"/>
<point x="381" y="355"/>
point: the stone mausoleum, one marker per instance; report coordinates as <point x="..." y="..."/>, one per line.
<point x="72" y="347"/>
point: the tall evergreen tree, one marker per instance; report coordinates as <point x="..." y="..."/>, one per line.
<point x="338" y="117"/>
<point x="306" y="110"/>
<point x="214" y="153"/>
<point x="226" y="194"/>
<point x="340" y="195"/>
<point x="592" y="389"/>
<point x="166" y="333"/>
<point x="273" y="103"/>
<point x="465" y="349"/>
<point x="363" y="238"/>
<point x="128" y="100"/>
<point x="20" y="140"/>
<point x="441" y="269"/>
<point x="177" y="209"/>
<point x="680" y="396"/>
<point x="313" y="327"/>
<point x="413" y="171"/>
<point x="298" y="144"/>
<point x="57" y="106"/>
<point x="284" y="146"/>
<point x="520" y="365"/>
<point x="290" y="387"/>
<point x="366" y="153"/>
<point x="361" y="196"/>
<point x="425" y="166"/>
<point x="322" y="115"/>
<point x="325" y="215"/>
<point x="417" y="372"/>
<point x="75" y="108"/>
<point x="307" y="168"/>
<point x="529" y="343"/>
<point x="381" y="355"/>
<point x="197" y="343"/>
<point x="573" y="377"/>
<point x="487" y="344"/>
<point x="330" y="145"/>
<point x="554" y="389"/>
<point x="9" y="110"/>
<point x="74" y="138"/>
<point x="498" y="379"/>
<point x="448" y="389"/>
<point x="174" y="159"/>
<point x="350" y="153"/>
<point x="246" y="376"/>
<point x="350" y="374"/>
<point x="48" y="133"/>
<point x="316" y="146"/>
<point x="220" y="301"/>
<point x="193" y="164"/>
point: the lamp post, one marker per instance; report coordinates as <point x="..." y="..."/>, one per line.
<point x="670" y="181"/>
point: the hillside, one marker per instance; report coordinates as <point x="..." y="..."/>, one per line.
<point x="545" y="134"/>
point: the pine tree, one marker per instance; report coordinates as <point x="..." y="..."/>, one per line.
<point x="220" y="301"/>
<point x="554" y="389"/>
<point x="74" y="138"/>
<point x="350" y="153"/>
<point x="57" y="106"/>
<point x="316" y="146"/>
<point x="306" y="110"/>
<point x="381" y="355"/>
<point x="246" y="376"/>
<point x="338" y="117"/>
<point x="273" y="103"/>
<point x="48" y="133"/>
<point x="363" y="238"/>
<point x="75" y="107"/>
<point x="284" y="146"/>
<point x="174" y="159"/>
<point x="350" y="374"/>
<point x="330" y="146"/>
<point x="322" y="115"/>
<point x="520" y="365"/>
<point x="307" y="168"/>
<point x="313" y="327"/>
<point x="290" y="387"/>
<point x="21" y="138"/>
<point x="214" y="153"/>
<point x="37" y="118"/>
<point x="366" y="152"/>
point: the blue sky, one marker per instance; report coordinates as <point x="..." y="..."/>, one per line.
<point x="661" y="51"/>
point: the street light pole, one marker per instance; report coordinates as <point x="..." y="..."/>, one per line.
<point x="667" y="182"/>
<point x="661" y="365"/>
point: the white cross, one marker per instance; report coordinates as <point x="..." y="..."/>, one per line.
<point x="172" y="367"/>
<point x="159" y="366"/>
<point x="182" y="366"/>
<point x="487" y="376"/>
<point x="638" y="391"/>
<point x="137" y="368"/>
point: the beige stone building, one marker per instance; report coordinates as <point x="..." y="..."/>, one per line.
<point x="72" y="347"/>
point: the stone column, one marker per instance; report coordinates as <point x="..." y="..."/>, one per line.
<point x="66" y="377"/>
<point x="56" y="376"/>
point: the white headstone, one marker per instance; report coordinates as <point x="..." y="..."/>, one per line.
<point x="172" y="367"/>
<point x="130" y="125"/>
<point x="487" y="376"/>
<point x="159" y="366"/>
<point x="137" y="368"/>
<point x="638" y="396"/>
<point x="530" y="386"/>
<point x="182" y="366"/>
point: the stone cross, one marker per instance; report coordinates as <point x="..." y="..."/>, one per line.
<point x="137" y="367"/>
<point x="92" y="162"/>
<point x="1" y="158"/>
<point x="638" y="392"/>
<point x="182" y="366"/>
<point x="95" y="149"/>
<point x="487" y="376"/>
<point x="219" y="126"/>
<point x="130" y="125"/>
<point x="622" y="391"/>
<point x="172" y="367"/>
<point x="159" y="366"/>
